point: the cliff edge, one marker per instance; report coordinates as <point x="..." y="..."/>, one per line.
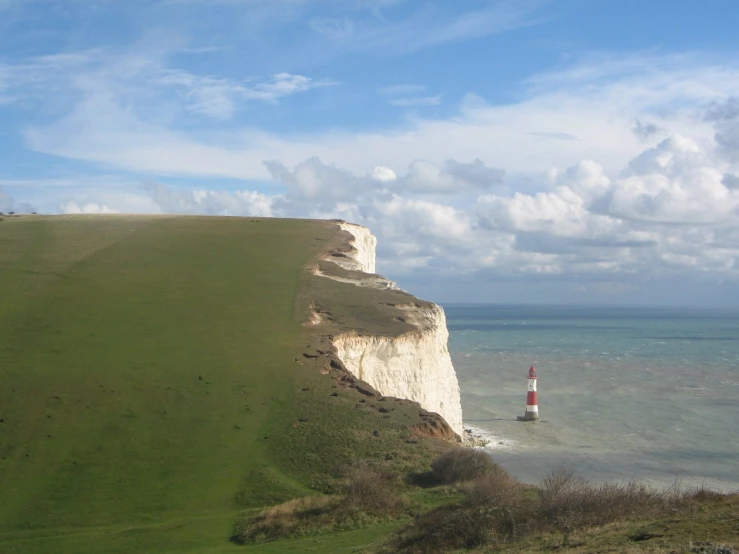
<point x="382" y="335"/>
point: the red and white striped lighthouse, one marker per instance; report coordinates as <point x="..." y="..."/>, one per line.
<point x="532" y="398"/>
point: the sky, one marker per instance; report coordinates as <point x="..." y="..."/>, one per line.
<point x="517" y="151"/>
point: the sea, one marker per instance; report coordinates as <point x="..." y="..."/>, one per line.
<point x="624" y="392"/>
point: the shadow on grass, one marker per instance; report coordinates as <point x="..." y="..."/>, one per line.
<point x="423" y="479"/>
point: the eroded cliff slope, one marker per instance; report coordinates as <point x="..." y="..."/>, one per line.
<point x="384" y="336"/>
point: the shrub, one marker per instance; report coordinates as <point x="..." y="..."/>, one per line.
<point x="493" y="489"/>
<point x="568" y="502"/>
<point x="463" y="464"/>
<point x="293" y="518"/>
<point x="443" y="529"/>
<point x="702" y="494"/>
<point x="510" y="512"/>
<point x="371" y="490"/>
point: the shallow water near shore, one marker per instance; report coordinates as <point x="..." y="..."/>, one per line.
<point x="646" y="393"/>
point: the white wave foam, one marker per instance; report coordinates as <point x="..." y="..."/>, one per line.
<point x="494" y="442"/>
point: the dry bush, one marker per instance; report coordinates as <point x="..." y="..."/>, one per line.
<point x="463" y="464"/>
<point x="509" y="512"/>
<point x="497" y="488"/>
<point x="702" y="494"/>
<point x="560" y="498"/>
<point x="371" y="490"/>
<point x="293" y="518"/>
<point x="568" y="502"/>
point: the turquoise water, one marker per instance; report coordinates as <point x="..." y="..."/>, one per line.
<point x="623" y="392"/>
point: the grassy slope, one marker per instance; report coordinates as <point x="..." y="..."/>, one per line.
<point x="150" y="391"/>
<point x="140" y="360"/>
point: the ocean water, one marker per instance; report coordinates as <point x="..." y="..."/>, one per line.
<point x="646" y="393"/>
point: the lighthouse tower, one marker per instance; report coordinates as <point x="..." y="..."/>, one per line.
<point x="532" y="398"/>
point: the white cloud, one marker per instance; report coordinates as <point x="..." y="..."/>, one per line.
<point x="518" y="135"/>
<point x="285" y="84"/>
<point x="424" y="176"/>
<point x="552" y="135"/>
<point x="178" y="201"/>
<point x="72" y="207"/>
<point x="645" y="130"/>
<point x="674" y="182"/>
<point x="33" y="183"/>
<point x="426" y="27"/>
<point x="407" y="96"/>
<point x="334" y="28"/>
<point x="217" y="97"/>
<point x="725" y="116"/>
<point x="383" y="174"/>
<point x="420" y="219"/>
<point x="72" y="193"/>
<point x="730" y="181"/>
<point x="666" y="213"/>
<point x="475" y="174"/>
<point x="315" y="180"/>
<point x="205" y="95"/>
<point x="142" y="82"/>
<point x="340" y="27"/>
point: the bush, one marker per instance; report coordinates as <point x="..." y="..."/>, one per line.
<point x="569" y="502"/>
<point x="463" y="464"/>
<point x="371" y="490"/>
<point x="494" y="489"/>
<point x="702" y="494"/>
<point x="443" y="529"/>
<point x="293" y="518"/>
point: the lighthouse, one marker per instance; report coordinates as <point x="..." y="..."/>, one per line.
<point x="532" y="399"/>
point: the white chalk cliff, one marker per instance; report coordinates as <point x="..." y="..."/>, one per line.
<point x="365" y="246"/>
<point x="415" y="365"/>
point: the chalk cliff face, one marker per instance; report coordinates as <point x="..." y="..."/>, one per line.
<point x="365" y="244"/>
<point x="415" y="365"/>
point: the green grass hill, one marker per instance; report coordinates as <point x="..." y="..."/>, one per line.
<point x="154" y="383"/>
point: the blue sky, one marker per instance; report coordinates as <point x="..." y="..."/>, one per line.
<point x="516" y="150"/>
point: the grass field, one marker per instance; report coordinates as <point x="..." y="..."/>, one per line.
<point x="150" y="390"/>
